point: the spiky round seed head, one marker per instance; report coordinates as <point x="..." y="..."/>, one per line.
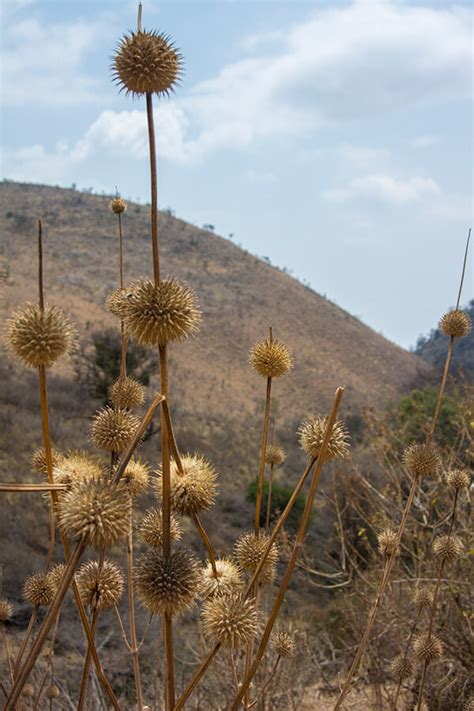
<point x="28" y="691"/>
<point x="423" y="597"/>
<point x="422" y="459"/>
<point x="447" y="548"/>
<point x="228" y="580"/>
<point x="95" y="510"/>
<point x="39" y="338"/>
<point x="38" y="590"/>
<point x="274" y="455"/>
<point x="284" y="644"/>
<point x="151" y="528"/>
<point x="76" y="466"/>
<point x="146" y="62"/>
<point x="167" y="584"/>
<point x="118" y="205"/>
<point x="38" y="460"/>
<point x="458" y="479"/>
<point x="55" y="575"/>
<point x="116" y="301"/>
<point x="100" y="588"/>
<point x="388" y="542"/>
<point x="195" y="489"/>
<point x="402" y="666"/>
<point x="6" y="609"/>
<point x="53" y="692"/>
<point x="127" y="393"/>
<point x="455" y="323"/>
<point x="136" y="477"/>
<point x="230" y="619"/>
<point x="114" y="429"/>
<point x="249" y="551"/>
<point x="428" y="648"/>
<point x="270" y="358"/>
<point x="157" y="314"/>
<point x="311" y="434"/>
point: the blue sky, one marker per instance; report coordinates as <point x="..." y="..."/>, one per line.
<point x="334" y="138"/>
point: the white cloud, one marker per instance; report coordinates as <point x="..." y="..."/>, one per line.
<point x="426" y="141"/>
<point x="386" y="189"/>
<point x="257" y="176"/>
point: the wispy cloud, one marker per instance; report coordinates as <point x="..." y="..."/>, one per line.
<point x="385" y="188"/>
<point x="426" y="141"/>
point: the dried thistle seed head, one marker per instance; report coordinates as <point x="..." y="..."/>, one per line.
<point x="38" y="460"/>
<point x="423" y="597"/>
<point x="157" y="314"/>
<point x="127" y="393"/>
<point x="458" y="479"/>
<point x="249" y="551"/>
<point x="167" y="584"/>
<point x="146" y="62"/>
<point x="6" y="609"/>
<point x="388" y="542"/>
<point x="422" y="459"/>
<point x="95" y="510"/>
<point x="447" y="548"/>
<point x="270" y="358"/>
<point x="455" y="323"/>
<point x="118" y="205"/>
<point x="136" y="477"/>
<point x="284" y="644"/>
<point x="113" y="430"/>
<point x="100" y="588"/>
<point x="39" y="338"/>
<point x="194" y="490"/>
<point x="274" y="455"/>
<point x="228" y="580"/>
<point x="38" y="590"/>
<point x="28" y="691"/>
<point x="428" y="649"/>
<point x="55" y="575"/>
<point x="76" y="466"/>
<point x="116" y="302"/>
<point x="151" y="528"/>
<point x="402" y="666"/>
<point x="311" y="434"/>
<point x="53" y="692"/>
<point x="230" y="619"/>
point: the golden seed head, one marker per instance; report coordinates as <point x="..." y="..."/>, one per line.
<point x="228" y="580"/>
<point x="39" y="338"/>
<point x="447" y="548"/>
<point x="249" y="551"/>
<point x="38" y="460"/>
<point x="157" y="314"/>
<point x="270" y="358"/>
<point x="28" y="691"/>
<point x="455" y="323"/>
<point x="428" y="649"/>
<point x="55" y="575"/>
<point x="116" y="302"/>
<point x="113" y="430"/>
<point x="422" y="459"/>
<point x="274" y="455"/>
<point x="6" y="609"/>
<point x="423" y="597"/>
<point x="402" y="666"/>
<point x="311" y="434"/>
<point x="388" y="542"/>
<point x="76" y="466"/>
<point x="118" y="205"/>
<point x="151" y="528"/>
<point x="127" y="393"/>
<point x="38" y="590"/>
<point x="458" y="479"/>
<point x="100" y="588"/>
<point x="167" y="584"/>
<point x="284" y="644"/>
<point x="95" y="510"/>
<point x="230" y="619"/>
<point x="194" y="490"/>
<point x="146" y="62"/>
<point x="53" y="692"/>
<point x="136" y="477"/>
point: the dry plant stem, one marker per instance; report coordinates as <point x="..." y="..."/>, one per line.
<point x="442" y="388"/>
<point x="263" y="450"/>
<point x="202" y="532"/>
<point x="87" y="664"/>
<point x="267" y="683"/>
<point x="295" y="552"/>
<point x="269" y="498"/>
<point x="154" y="188"/>
<point x="49" y="669"/>
<point x="466" y="251"/>
<point x="407" y="649"/>
<point x="197" y="677"/>
<point x="7" y="650"/>
<point x="29" y="488"/>
<point x="131" y="612"/>
<point x="25" y="640"/>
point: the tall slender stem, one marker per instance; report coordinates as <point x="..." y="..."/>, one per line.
<point x="207" y="543"/>
<point x="25" y="640"/>
<point x="7" y="650"/>
<point x="154" y="189"/>
<point x="263" y="452"/>
<point x="269" y="498"/>
<point x="87" y="664"/>
<point x="131" y="613"/>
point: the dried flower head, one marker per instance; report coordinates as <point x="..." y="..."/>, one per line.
<point x="28" y="691"/>
<point x="151" y="528"/>
<point x="270" y="358"/>
<point x="388" y="542"/>
<point x="39" y="338"/>
<point x="6" y="609"/>
<point x="274" y="455"/>
<point x="284" y="644"/>
<point x="118" y="205"/>
<point x="455" y="323"/>
<point x="458" y="479"/>
<point x="428" y="648"/>
<point x="228" y="580"/>
<point x="38" y="590"/>
<point x="423" y="597"/>
<point x="167" y="584"/>
<point x="422" y="459"/>
<point x="55" y="575"/>
<point x="146" y="62"/>
<point x="100" y="587"/>
<point x="158" y="314"/>
<point x="136" y="477"/>
<point x="76" y="466"/>
<point x="127" y="393"/>
<point x="114" y="429"/>
<point x="53" y="692"/>
<point x="447" y="548"/>
<point x="194" y="490"/>
<point x="311" y="434"/>
<point x="230" y="619"/>
<point x="402" y="666"/>
<point x="95" y="510"/>
<point x="38" y="460"/>
<point x="116" y="302"/>
<point x="249" y="551"/>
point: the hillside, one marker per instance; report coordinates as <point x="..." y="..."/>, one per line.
<point x="432" y="348"/>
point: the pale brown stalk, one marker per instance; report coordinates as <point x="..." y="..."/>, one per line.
<point x="271" y="676"/>
<point x="25" y="640"/>
<point x="131" y="613"/>
<point x="263" y="449"/>
<point x="7" y="650"/>
<point x="269" y="498"/>
<point x="49" y="668"/>
<point x="202" y="532"/>
<point x="87" y="661"/>
<point x="406" y="651"/>
<point x="31" y="488"/>
<point x="154" y="188"/>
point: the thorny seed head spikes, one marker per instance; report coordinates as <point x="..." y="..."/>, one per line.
<point x="151" y="528"/>
<point x="146" y="62"/>
<point x="195" y="489"/>
<point x="39" y="338"/>
<point x="167" y="584"/>
<point x="311" y="434"/>
<point x="455" y="323"/>
<point x="38" y="589"/>
<point x="270" y="358"/>
<point x="230" y="619"/>
<point x="422" y="459"/>
<point x="249" y="551"/>
<point x="100" y="587"/>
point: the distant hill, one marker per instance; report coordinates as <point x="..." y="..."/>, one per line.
<point x="432" y="348"/>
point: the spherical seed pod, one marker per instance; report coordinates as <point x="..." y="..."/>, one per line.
<point x="38" y="590"/>
<point x="423" y="598"/>
<point x="55" y="575"/>
<point x="113" y="430"/>
<point x="230" y="619"/>
<point x="127" y="393"/>
<point x="146" y="62"/>
<point x="402" y="666"/>
<point x="194" y="490"/>
<point x="6" y="609"/>
<point x="158" y="314"/>
<point x="249" y="551"/>
<point x="167" y="585"/>
<point x="284" y="644"/>
<point x="428" y="649"/>
<point x="151" y="528"/>
<point x="39" y="338"/>
<point x="28" y="691"/>
<point x="447" y="548"/>
<point x="38" y="460"/>
<point x="422" y="459"/>
<point x="388" y="542"/>
<point x="100" y="588"/>
<point x="76" y="466"/>
<point x="136" y="477"/>
<point x="116" y="302"/>
<point x="311" y="434"/>
<point x="270" y="358"/>
<point x="274" y="455"/>
<point x="455" y="323"/>
<point x="228" y="580"/>
<point x="95" y="510"/>
<point x="458" y="479"/>
<point x="53" y="692"/>
<point x="118" y="205"/>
